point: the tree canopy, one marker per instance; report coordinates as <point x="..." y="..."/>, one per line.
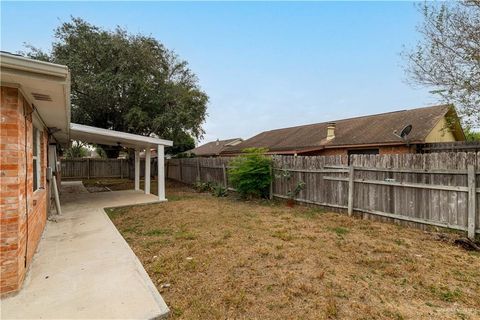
<point x="447" y="58"/>
<point x="472" y="135"/>
<point x="127" y="82"/>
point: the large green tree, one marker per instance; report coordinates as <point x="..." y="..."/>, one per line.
<point x="127" y="82"/>
<point x="447" y="58"/>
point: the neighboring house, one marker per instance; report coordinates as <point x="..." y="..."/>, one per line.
<point x="34" y="119"/>
<point x="374" y="134"/>
<point x="214" y="148"/>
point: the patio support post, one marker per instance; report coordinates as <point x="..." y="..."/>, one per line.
<point x="137" y="170"/>
<point x="161" y="172"/>
<point x="147" y="170"/>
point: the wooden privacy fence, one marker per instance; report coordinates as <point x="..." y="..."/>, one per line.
<point x="438" y="189"/>
<point x="86" y="168"/>
<point x="198" y="169"/>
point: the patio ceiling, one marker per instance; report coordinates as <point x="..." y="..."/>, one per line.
<point x="90" y="134"/>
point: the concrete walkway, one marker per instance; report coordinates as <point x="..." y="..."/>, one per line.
<point x="83" y="267"/>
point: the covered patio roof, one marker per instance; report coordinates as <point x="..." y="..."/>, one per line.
<point x="117" y="138"/>
<point x="114" y="138"/>
<point x="47" y="88"/>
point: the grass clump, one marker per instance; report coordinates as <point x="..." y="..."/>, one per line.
<point x="185" y="235"/>
<point x="450" y="296"/>
<point x="340" y="231"/>
<point x="158" y="232"/>
<point x="311" y="213"/>
<point x="115" y="212"/>
<point x="283" y="235"/>
<point x="445" y="294"/>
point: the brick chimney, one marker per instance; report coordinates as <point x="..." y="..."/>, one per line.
<point x="331" y="130"/>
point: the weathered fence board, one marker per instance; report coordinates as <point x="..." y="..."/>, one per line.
<point x="415" y="189"/>
<point x="428" y="189"/>
<point x="86" y="168"/>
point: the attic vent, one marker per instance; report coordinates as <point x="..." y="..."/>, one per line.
<point x="41" y="97"/>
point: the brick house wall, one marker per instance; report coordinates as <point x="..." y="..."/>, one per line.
<point x="398" y="150"/>
<point x="20" y="232"/>
<point x="344" y="151"/>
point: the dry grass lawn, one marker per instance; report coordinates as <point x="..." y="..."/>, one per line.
<point x="219" y="258"/>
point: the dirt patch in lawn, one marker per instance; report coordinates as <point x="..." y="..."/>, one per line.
<point x="218" y="258"/>
<point x="106" y="184"/>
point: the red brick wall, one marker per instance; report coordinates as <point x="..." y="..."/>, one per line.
<point x="397" y="150"/>
<point x="326" y="152"/>
<point x="344" y="151"/>
<point x="16" y="191"/>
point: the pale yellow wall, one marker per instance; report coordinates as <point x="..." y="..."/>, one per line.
<point x="440" y="133"/>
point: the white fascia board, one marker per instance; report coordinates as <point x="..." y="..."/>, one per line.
<point x="31" y="65"/>
<point x="48" y="71"/>
<point x="131" y="138"/>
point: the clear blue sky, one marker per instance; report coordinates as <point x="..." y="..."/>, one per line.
<point x="264" y="65"/>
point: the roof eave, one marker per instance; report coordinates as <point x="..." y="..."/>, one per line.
<point x="133" y="138"/>
<point x="35" y="66"/>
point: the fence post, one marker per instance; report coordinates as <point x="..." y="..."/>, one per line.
<point x="471" y="201"/>
<point x="121" y="168"/>
<point x="198" y="169"/>
<point x="88" y="168"/>
<point x="350" y="189"/>
<point x="180" y="165"/>
<point x="167" y="173"/>
<point x="225" y="182"/>
<point x="270" y="194"/>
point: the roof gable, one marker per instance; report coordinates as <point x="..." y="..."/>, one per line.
<point x="213" y="148"/>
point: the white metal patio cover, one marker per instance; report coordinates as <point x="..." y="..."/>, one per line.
<point x="116" y="138"/>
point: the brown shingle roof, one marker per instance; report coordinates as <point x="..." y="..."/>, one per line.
<point x="212" y="148"/>
<point x="366" y="130"/>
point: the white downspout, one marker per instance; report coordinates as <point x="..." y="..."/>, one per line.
<point x="161" y="172"/>
<point x="137" y="170"/>
<point x="147" y="170"/>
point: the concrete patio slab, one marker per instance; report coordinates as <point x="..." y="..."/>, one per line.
<point x="84" y="268"/>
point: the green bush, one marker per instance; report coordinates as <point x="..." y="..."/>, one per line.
<point x="250" y="174"/>
<point x="219" y="191"/>
<point x="292" y="194"/>
<point x="77" y="150"/>
<point x="203" y="186"/>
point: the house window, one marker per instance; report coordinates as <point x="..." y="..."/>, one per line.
<point x="37" y="158"/>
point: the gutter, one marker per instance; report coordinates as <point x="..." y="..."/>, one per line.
<point x="34" y="66"/>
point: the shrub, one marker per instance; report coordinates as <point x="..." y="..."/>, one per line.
<point x="219" y="191"/>
<point x="203" y="186"/>
<point x="292" y="194"/>
<point x="77" y="150"/>
<point x="250" y="174"/>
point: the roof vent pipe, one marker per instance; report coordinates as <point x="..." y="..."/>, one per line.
<point x="331" y="130"/>
<point x="217" y="142"/>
